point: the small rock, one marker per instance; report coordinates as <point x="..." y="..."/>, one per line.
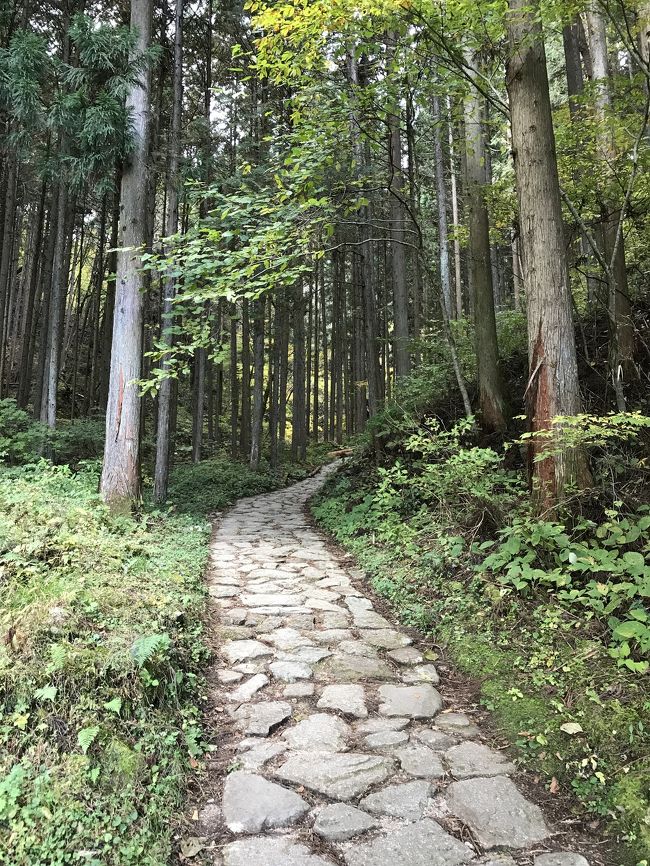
<point x="417" y="702"/>
<point x="260" y="719"/>
<point x="560" y="858"/>
<point x="354" y="668"/>
<point x="474" y="759"/>
<point x="252" y="803"/>
<point x="378" y="724"/>
<point x="370" y="619"/>
<point x="338" y="821"/>
<point x="289" y="672"/>
<point x="229" y="677"/>
<point x="436" y="740"/>
<point x="306" y="654"/>
<point x="260" y="754"/>
<point x="421" y="762"/>
<point x="298" y="690"/>
<point x="320" y="732"/>
<point x="421" y="674"/>
<point x="241" y="650"/>
<point x="210" y="819"/>
<point x="287" y="639"/>
<point x="385" y="740"/>
<point x="246" y="690"/>
<point x="406" y="655"/>
<point x="357" y="648"/>
<point x="332" y="636"/>
<point x="386" y="638"/>
<point x="408" y="800"/>
<point x="335" y="620"/>
<point x="348" y="698"/>
<point x="457" y="723"/>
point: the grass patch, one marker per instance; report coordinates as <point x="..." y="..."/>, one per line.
<point x="101" y="662"/>
<point x="540" y="665"/>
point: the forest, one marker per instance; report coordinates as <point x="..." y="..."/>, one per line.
<point x="393" y="254"/>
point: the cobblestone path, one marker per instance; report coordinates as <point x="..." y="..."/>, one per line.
<point x="342" y="751"/>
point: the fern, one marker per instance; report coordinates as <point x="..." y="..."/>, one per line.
<point x="148" y="645"/>
<point x="58" y="654"/>
<point x="86" y="737"/>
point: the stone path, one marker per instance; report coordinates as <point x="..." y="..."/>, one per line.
<point x="341" y="749"/>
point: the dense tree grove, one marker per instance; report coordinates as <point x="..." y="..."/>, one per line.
<point x="266" y="231"/>
<point x="316" y="192"/>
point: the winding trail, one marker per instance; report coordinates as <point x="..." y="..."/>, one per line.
<point x="340" y="750"/>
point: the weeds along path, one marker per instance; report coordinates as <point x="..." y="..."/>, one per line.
<point x="338" y="748"/>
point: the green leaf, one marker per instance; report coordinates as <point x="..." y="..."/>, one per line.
<point x="571" y="728"/>
<point x="47" y="693"/>
<point x="114" y="706"/>
<point x="86" y="737"/>
<point x="629" y="629"/>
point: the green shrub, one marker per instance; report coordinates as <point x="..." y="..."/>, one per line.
<point x="20" y="436"/>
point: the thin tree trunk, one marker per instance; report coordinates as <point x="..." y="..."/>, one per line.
<point x="164" y="413"/>
<point x="441" y="197"/>
<point x="458" y="278"/>
<point x="401" y="352"/>
<point x="258" y="384"/>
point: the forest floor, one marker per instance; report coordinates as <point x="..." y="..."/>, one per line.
<point x="334" y="739"/>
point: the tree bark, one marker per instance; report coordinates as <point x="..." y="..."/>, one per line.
<point x="120" y="481"/>
<point x="553" y="388"/>
<point x="258" y="384"/>
<point x="621" y="346"/>
<point x="492" y="400"/>
<point x="401" y="352"/>
<point x="163" y="428"/>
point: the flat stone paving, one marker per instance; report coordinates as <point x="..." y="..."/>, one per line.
<point x="341" y="749"/>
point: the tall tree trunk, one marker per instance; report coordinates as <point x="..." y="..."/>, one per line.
<point x="120" y="481"/>
<point x="234" y="384"/>
<point x="402" y="356"/>
<point x="27" y="347"/>
<point x="553" y="388"/>
<point x="245" y="430"/>
<point x="441" y="197"/>
<point x="491" y="393"/>
<point x="458" y="277"/>
<point x="298" y="439"/>
<point x="258" y="384"/>
<point x="6" y="251"/>
<point x="163" y="426"/>
<point x="621" y="348"/>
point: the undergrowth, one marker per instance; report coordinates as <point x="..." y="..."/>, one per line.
<point x="100" y="669"/>
<point x="548" y="615"/>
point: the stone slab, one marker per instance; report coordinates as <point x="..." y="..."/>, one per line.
<point x="341" y="776"/>
<point x="349" y="698"/>
<point x="423" y="843"/>
<point x="407" y="800"/>
<point x="416" y="702"/>
<point x="320" y="732"/>
<point x="469" y="759"/>
<point x="496" y="812"/>
<point x="251" y="804"/>
<point x="338" y="822"/>
<point x="266" y="851"/>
